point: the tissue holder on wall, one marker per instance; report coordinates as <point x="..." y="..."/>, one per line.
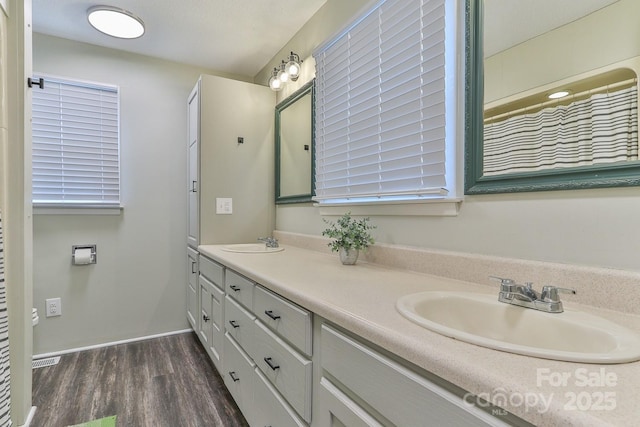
<point x="84" y="254"/>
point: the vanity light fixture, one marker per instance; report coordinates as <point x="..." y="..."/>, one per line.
<point x="274" y="82"/>
<point x="559" y="94"/>
<point x="288" y="70"/>
<point x="115" y="22"/>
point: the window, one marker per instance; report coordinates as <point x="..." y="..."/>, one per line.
<point x="76" y="161"/>
<point x="381" y="110"/>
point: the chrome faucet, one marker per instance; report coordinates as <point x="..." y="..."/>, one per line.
<point x="547" y="300"/>
<point x="270" y="242"/>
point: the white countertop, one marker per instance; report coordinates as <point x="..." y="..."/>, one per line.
<point x="362" y="299"/>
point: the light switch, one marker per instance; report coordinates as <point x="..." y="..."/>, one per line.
<point x="224" y="206"/>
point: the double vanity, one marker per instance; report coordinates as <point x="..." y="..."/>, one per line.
<point x="302" y="340"/>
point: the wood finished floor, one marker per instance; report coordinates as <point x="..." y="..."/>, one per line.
<point x="162" y="382"/>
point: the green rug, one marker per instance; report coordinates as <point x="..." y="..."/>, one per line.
<point x="102" y="422"/>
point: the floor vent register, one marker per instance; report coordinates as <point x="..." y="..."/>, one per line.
<point x="48" y="361"/>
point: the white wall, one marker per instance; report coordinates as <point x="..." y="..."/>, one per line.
<point x="605" y="37"/>
<point x="137" y="288"/>
<point x="586" y="227"/>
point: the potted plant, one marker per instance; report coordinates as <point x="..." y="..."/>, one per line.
<point x="350" y="236"/>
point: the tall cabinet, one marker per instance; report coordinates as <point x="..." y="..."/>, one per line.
<point x="230" y="183"/>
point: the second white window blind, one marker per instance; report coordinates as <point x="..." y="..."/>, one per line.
<point x="380" y="111"/>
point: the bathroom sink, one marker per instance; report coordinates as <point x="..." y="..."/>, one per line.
<point x="481" y="319"/>
<point x="250" y="248"/>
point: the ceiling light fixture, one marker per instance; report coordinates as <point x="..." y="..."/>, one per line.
<point x="559" y="94"/>
<point x="115" y="22"/>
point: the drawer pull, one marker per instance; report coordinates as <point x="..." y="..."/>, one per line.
<point x="270" y="363"/>
<point x="234" y="323"/>
<point x="234" y="376"/>
<point x="271" y="315"/>
<point x="193" y="267"/>
<point x="235" y="288"/>
<point x="205" y="318"/>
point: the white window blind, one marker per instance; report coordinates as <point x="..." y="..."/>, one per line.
<point x="380" y="106"/>
<point x="76" y="158"/>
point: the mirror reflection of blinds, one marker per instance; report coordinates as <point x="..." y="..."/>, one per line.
<point x="380" y="105"/>
<point x="75" y="145"/>
<point x="598" y="130"/>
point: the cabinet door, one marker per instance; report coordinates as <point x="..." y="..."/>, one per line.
<point x="193" y="186"/>
<point x="204" y="332"/>
<point x="211" y="331"/>
<point x="338" y="410"/>
<point x="192" y="288"/>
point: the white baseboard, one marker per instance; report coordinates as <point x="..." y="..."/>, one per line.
<point x="32" y="413"/>
<point x="107" y="344"/>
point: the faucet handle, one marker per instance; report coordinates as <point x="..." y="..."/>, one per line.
<point x="550" y="293"/>
<point x="506" y="285"/>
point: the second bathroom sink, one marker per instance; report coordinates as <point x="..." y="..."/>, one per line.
<point x="481" y="319"/>
<point x="250" y="248"/>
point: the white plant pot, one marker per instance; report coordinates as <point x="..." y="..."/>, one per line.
<point x="348" y="256"/>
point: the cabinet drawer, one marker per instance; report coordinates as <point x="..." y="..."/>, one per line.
<point x="212" y="271"/>
<point x="288" y="370"/>
<point x="270" y="409"/>
<point x="240" y="325"/>
<point x="238" y="375"/>
<point x="290" y="321"/>
<point x="399" y="394"/>
<point x="240" y="288"/>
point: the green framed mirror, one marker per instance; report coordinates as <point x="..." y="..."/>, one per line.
<point x="294" y="138"/>
<point x="585" y="54"/>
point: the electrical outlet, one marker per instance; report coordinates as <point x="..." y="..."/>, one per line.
<point x="54" y="307"/>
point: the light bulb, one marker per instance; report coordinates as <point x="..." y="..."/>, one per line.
<point x="275" y="83"/>
<point x="292" y="67"/>
<point x="283" y="76"/>
<point x="293" y="70"/>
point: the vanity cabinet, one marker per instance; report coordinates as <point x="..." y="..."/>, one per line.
<point x="268" y="366"/>
<point x="230" y="133"/>
<point x="286" y="366"/>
